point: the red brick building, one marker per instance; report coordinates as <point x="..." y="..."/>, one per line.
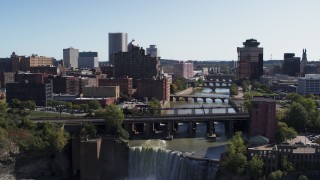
<point x="263" y="117"/>
<point x="159" y="89"/>
<point x="124" y="83"/>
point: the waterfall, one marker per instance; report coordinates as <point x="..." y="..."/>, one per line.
<point x="154" y="162"/>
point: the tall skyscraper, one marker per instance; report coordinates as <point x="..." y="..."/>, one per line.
<point x="153" y="51"/>
<point x="117" y="43"/>
<point x="70" y="57"/>
<point x="250" y="60"/>
<point x="88" y="60"/>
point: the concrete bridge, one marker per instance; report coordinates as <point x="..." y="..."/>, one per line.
<point x="149" y="125"/>
<point x="220" y="77"/>
<point x="196" y="97"/>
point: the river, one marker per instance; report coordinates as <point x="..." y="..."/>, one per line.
<point x="198" y="145"/>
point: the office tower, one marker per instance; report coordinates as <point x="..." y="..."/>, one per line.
<point x="291" y="64"/>
<point x="135" y="64"/>
<point x="304" y="62"/>
<point x="88" y="60"/>
<point x="153" y="51"/>
<point x="70" y="57"/>
<point x="117" y="43"/>
<point x="250" y="60"/>
<point x="183" y="70"/>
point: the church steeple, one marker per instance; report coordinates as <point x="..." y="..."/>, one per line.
<point x="304" y="55"/>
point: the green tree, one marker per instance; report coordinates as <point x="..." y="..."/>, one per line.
<point x="235" y="160"/>
<point x="3" y="108"/>
<point x="94" y="105"/>
<point x="68" y="106"/>
<point x="255" y="167"/>
<point x="244" y="86"/>
<point x="294" y="97"/>
<point x="154" y="107"/>
<point x="297" y="117"/>
<point x="284" y="132"/>
<point x="15" y="104"/>
<point x="84" y="107"/>
<point x="286" y="165"/>
<point x="233" y="89"/>
<point x="303" y="177"/>
<point x="31" y="105"/>
<point x="200" y="81"/>
<point x="88" y="131"/>
<point x="114" y="118"/>
<point x="276" y="175"/>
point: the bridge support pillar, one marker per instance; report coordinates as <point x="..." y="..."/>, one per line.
<point x="191" y="128"/>
<point x="227" y="110"/>
<point x="204" y="99"/>
<point x="229" y="126"/>
<point x="175" y="112"/>
<point x="149" y="129"/>
<point x="210" y="128"/>
<point x="193" y="111"/>
<point x="210" y="111"/>
<point x="130" y="128"/>
<point x="170" y="127"/>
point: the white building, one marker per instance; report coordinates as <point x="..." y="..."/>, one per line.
<point x="70" y="57"/>
<point x="117" y="43"/>
<point x="310" y="84"/>
<point x="153" y="51"/>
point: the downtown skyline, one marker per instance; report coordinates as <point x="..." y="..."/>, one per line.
<point x="182" y="30"/>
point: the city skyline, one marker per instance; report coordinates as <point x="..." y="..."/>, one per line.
<point x="182" y="30"/>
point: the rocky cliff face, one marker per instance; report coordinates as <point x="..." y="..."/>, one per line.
<point x="15" y="164"/>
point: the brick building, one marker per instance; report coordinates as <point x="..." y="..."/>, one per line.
<point x="101" y="92"/>
<point x="30" y="77"/>
<point x="6" y="77"/>
<point x="124" y="83"/>
<point x="66" y="85"/>
<point x="183" y="70"/>
<point x="40" y="93"/>
<point x="159" y="89"/>
<point x="135" y="64"/>
<point x="263" y="118"/>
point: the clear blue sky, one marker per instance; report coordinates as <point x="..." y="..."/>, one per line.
<point x="182" y="29"/>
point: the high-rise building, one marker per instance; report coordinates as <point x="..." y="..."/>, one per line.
<point x="153" y="51"/>
<point x="183" y="70"/>
<point x="250" y="60"/>
<point x="291" y="64"/>
<point x="70" y="57"/>
<point x="88" y="60"/>
<point x="135" y="64"/>
<point x="117" y="43"/>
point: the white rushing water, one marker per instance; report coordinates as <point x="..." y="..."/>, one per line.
<point x="153" y="161"/>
